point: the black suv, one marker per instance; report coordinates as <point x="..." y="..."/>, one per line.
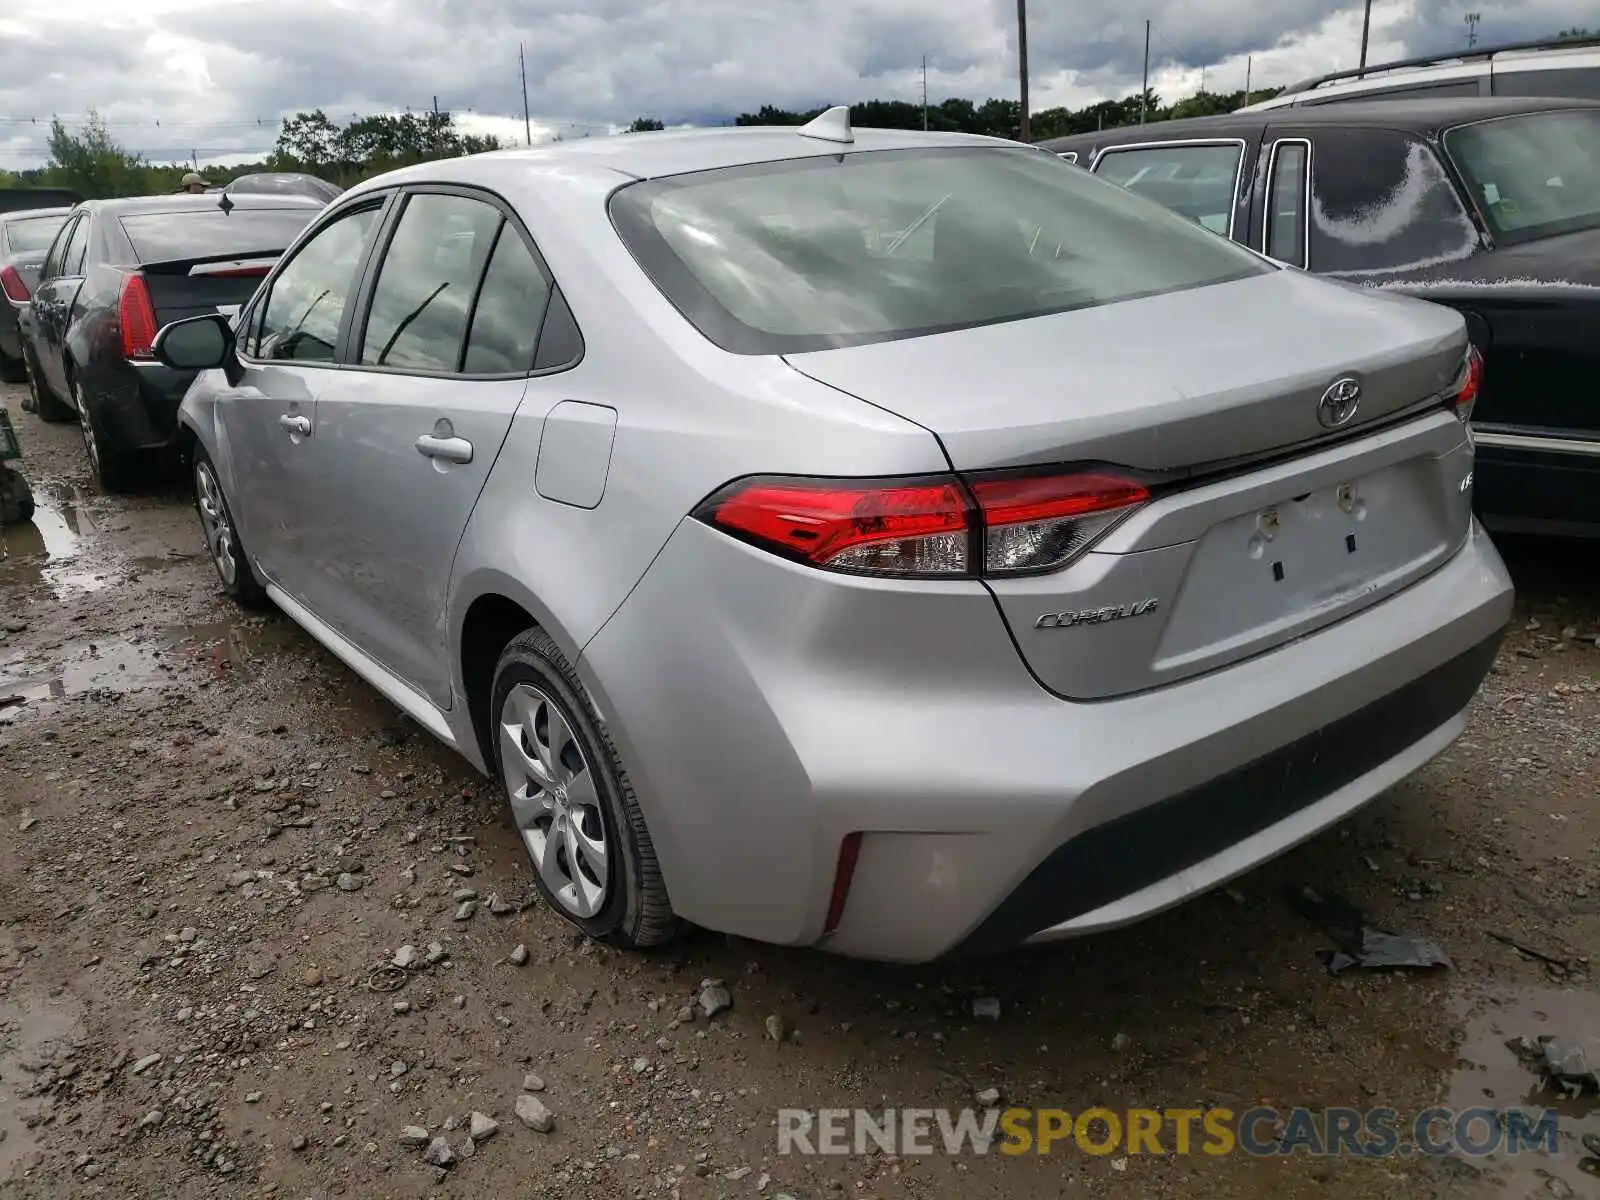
<point x="1491" y="206"/>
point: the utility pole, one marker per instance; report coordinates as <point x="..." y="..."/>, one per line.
<point x="436" y="127"/>
<point x="1249" y="60"/>
<point x="1144" y="92"/>
<point x="1202" y="81"/>
<point x="1022" y="65"/>
<point x="1366" y="29"/>
<point x="527" y="125"/>
<point x="924" y="93"/>
<point x="1472" y="30"/>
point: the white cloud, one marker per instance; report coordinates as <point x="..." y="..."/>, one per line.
<point x="213" y="77"/>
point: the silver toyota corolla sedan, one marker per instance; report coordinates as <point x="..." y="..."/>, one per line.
<point x="906" y="544"/>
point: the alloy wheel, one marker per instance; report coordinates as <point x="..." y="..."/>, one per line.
<point x="86" y="427"/>
<point x="554" y="801"/>
<point x="214" y="521"/>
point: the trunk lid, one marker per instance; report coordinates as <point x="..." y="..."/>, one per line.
<point x="192" y="287"/>
<point x="1193" y="377"/>
<point x="1269" y="526"/>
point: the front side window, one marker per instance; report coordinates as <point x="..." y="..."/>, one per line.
<point x="306" y="303"/>
<point x="1194" y="180"/>
<point x="1286" y="203"/>
<point x="812" y="253"/>
<point x="1532" y="176"/>
<point x="426" y="284"/>
<point x="1381" y="203"/>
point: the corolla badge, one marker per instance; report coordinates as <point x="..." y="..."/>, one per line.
<point x="1339" y="403"/>
<point x="1095" y="616"/>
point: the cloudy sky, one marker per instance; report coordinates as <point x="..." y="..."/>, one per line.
<point x="213" y="77"/>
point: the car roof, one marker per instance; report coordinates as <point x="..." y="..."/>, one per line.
<point x="660" y="153"/>
<point x="189" y="202"/>
<point x="1418" y="116"/>
<point x="27" y="214"/>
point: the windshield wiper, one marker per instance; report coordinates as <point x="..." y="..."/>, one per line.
<point x="409" y="317"/>
<point x="916" y="225"/>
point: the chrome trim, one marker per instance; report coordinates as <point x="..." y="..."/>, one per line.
<point x="1523" y="441"/>
<point x="1238" y="170"/>
<point x="1070" y="155"/>
<point x="1305" y="208"/>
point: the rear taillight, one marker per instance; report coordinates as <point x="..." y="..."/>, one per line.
<point x="137" y="318"/>
<point x="12" y="284"/>
<point x="936" y="527"/>
<point x="1463" y="392"/>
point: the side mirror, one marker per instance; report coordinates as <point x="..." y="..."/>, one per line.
<point x="194" y="344"/>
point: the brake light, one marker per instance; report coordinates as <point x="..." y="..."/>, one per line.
<point x="1463" y="393"/>
<point x="1034" y="523"/>
<point x="892" y="527"/>
<point x="12" y="284"/>
<point x="933" y="527"/>
<point x="137" y="318"/>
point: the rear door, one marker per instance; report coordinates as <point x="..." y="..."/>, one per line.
<point x="59" y="284"/>
<point x="438" y="363"/>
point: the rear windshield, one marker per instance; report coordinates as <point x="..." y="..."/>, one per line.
<point x="813" y="253"/>
<point x="208" y="233"/>
<point x="1533" y="176"/>
<point x="32" y="235"/>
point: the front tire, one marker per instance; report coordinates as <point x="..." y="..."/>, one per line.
<point x="50" y="407"/>
<point x="571" y="802"/>
<point x="223" y="546"/>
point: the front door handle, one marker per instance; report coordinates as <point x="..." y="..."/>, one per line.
<point x="295" y="424"/>
<point x="450" y="449"/>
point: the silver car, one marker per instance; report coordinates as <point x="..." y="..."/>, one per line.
<point x="899" y="543"/>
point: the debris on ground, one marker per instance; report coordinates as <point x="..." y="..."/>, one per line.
<point x="1359" y="943"/>
<point x="1573" y="1066"/>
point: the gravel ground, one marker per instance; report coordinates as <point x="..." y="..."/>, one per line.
<point x="217" y="841"/>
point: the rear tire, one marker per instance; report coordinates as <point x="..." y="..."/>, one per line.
<point x="113" y="463"/>
<point x="12" y="370"/>
<point x="571" y="801"/>
<point x="223" y="547"/>
<point x="50" y="407"/>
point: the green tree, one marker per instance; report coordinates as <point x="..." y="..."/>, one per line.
<point x="645" y="125"/>
<point x="92" y="163"/>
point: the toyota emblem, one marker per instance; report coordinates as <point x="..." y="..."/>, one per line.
<point x="1339" y="403"/>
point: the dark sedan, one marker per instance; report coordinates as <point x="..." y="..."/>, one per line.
<point x="1491" y="206"/>
<point x="117" y="271"/>
<point x="24" y="238"/>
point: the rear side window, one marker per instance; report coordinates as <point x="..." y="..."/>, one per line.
<point x="305" y="306"/>
<point x="58" y="252"/>
<point x="1196" y="180"/>
<point x="430" y="273"/>
<point x="1381" y="202"/>
<point x="1286" y="202"/>
<point x="1582" y="83"/>
<point x="29" y="235"/>
<point x="211" y="232"/>
<point x="77" y="248"/>
<point x="511" y="307"/>
<point x="838" y="250"/>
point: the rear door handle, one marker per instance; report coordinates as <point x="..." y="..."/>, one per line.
<point x="294" y="424"/>
<point x="450" y="449"/>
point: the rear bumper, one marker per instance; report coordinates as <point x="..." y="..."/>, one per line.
<point x="992" y="812"/>
<point x="1532" y="482"/>
<point x="140" y="400"/>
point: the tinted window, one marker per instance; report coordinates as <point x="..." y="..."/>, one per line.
<point x="560" y="343"/>
<point x="208" y="232"/>
<point x="58" y="250"/>
<point x="1286" y="204"/>
<point x="425" y="286"/>
<point x="810" y="253"/>
<point x="77" y="247"/>
<point x="1195" y="181"/>
<point x="30" y="235"/>
<point x="1381" y="202"/>
<point x="1533" y="176"/>
<point x="1416" y="91"/>
<point x="307" y="301"/>
<point x="1582" y="83"/>
<point x="511" y="307"/>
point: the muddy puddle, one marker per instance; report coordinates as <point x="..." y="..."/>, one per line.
<point x="61" y="549"/>
<point x="1489" y="1074"/>
<point x="36" y="1035"/>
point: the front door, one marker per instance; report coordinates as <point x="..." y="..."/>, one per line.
<point x="59" y="282"/>
<point x="287" y="347"/>
<point x="408" y="431"/>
